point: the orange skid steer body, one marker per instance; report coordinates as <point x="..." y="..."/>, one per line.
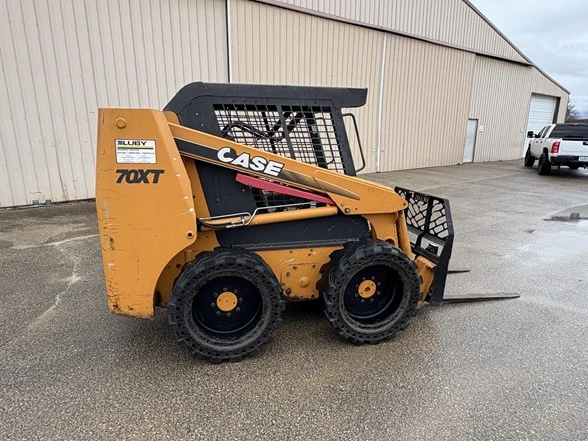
<point x="237" y="198"/>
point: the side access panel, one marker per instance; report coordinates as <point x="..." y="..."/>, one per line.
<point x="144" y="202"/>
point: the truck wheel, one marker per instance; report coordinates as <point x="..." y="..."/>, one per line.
<point x="225" y="306"/>
<point x="544" y="166"/>
<point x="529" y="158"/>
<point x="373" y="290"/>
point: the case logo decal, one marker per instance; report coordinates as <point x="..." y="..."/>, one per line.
<point x="255" y="163"/>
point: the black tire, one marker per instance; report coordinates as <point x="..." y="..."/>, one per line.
<point x="381" y="316"/>
<point x="205" y="329"/>
<point x="574" y="167"/>
<point x="529" y="158"/>
<point x="544" y="166"/>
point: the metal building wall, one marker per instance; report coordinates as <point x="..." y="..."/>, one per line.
<point x="542" y="85"/>
<point x="61" y="60"/>
<point x="278" y="46"/>
<point x="452" y="22"/>
<point x="500" y="99"/>
<point x="425" y="104"/>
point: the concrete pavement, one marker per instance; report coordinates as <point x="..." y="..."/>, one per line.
<point x="505" y="370"/>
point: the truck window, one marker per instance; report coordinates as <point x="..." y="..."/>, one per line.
<point x="566" y="131"/>
<point x="543" y="132"/>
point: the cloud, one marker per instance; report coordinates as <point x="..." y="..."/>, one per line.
<point x="552" y="34"/>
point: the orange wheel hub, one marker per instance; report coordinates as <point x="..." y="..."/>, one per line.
<point x="226" y="301"/>
<point x="366" y="289"/>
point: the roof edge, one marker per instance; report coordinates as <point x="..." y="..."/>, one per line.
<point x="499" y="32"/>
<point x="328" y="16"/>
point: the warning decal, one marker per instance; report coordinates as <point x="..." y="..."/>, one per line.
<point x="135" y="151"/>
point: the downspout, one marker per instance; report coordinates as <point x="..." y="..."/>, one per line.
<point x="229" y="50"/>
<point x="380" y="103"/>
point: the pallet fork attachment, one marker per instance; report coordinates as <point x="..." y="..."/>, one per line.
<point x="431" y="228"/>
<point x="467" y="298"/>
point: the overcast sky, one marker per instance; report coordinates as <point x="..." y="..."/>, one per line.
<point x="554" y="34"/>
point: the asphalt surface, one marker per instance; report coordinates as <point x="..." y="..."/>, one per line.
<point x="503" y="370"/>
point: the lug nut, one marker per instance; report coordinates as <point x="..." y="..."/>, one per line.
<point x="238" y="309"/>
<point x="212" y="304"/>
<point x="228" y="314"/>
<point x="217" y="312"/>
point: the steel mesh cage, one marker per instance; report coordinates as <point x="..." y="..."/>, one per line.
<point x="431" y="228"/>
<point x="299" y="122"/>
<point x="427" y="214"/>
<point x="304" y="133"/>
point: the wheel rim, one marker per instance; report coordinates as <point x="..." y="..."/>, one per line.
<point x="369" y="309"/>
<point x="227" y="307"/>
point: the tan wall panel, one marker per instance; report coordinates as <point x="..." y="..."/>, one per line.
<point x="543" y="85"/>
<point x="500" y="102"/>
<point x="425" y="105"/>
<point x="273" y="45"/>
<point x="449" y="21"/>
<point x="61" y="60"/>
<point x="501" y="97"/>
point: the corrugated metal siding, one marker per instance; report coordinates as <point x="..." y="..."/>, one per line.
<point x="449" y="21"/>
<point x="60" y="61"/>
<point x="500" y="100"/>
<point x="540" y="84"/>
<point x="299" y="49"/>
<point x="426" y="101"/>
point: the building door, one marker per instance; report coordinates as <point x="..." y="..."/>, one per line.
<point x="541" y="113"/>
<point x="470" y="142"/>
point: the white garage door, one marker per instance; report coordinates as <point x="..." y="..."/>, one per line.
<point x="541" y="113"/>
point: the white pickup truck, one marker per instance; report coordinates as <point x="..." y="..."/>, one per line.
<point x="557" y="145"/>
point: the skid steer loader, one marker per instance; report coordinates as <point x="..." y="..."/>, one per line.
<point x="237" y="198"/>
